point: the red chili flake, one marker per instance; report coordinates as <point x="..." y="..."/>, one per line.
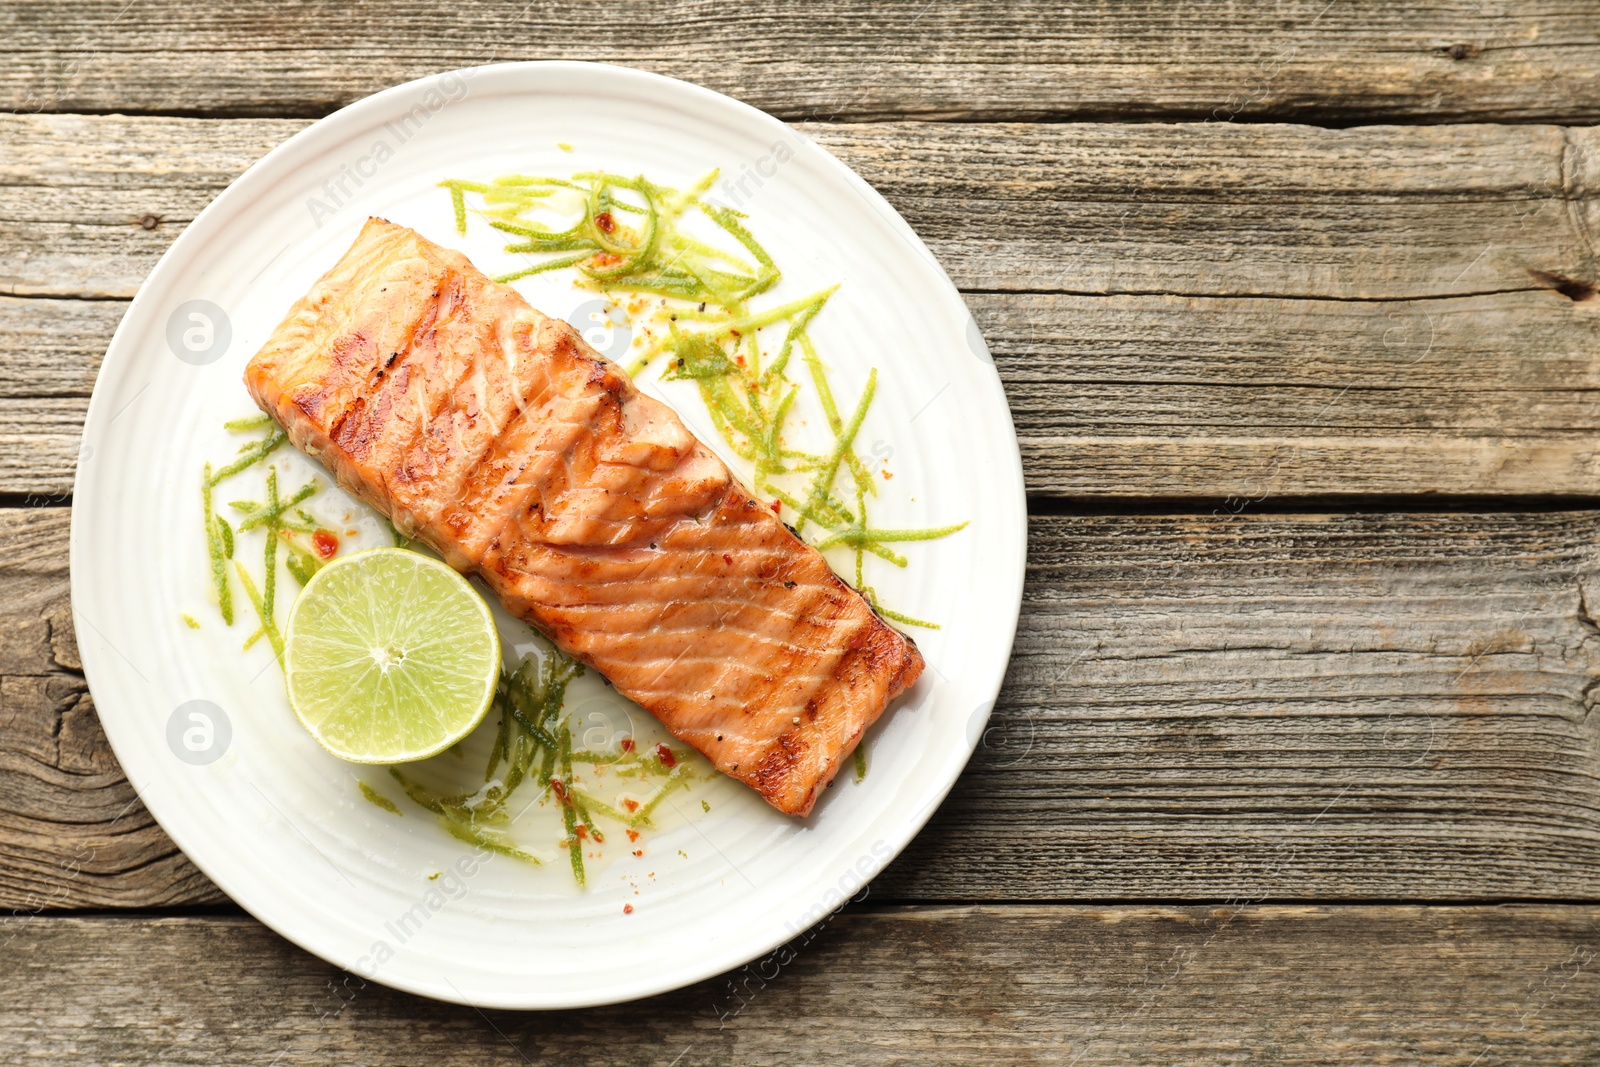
<point x="627" y="909"/>
<point x="727" y="559"/>
<point x="638" y="852"/>
<point x="633" y="835"/>
<point x="326" y="542"/>
<point x="664" y="754"/>
<point x="739" y="360"/>
<point x="605" y="259"/>
<point x="777" y="506"/>
<point x="581" y="830"/>
<point x="735" y="333"/>
<point x="627" y="744"/>
<point x="631" y="805"/>
<point x="559" y="789"/>
<point x="605" y="222"/>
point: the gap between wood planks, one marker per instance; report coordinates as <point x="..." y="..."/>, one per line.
<point x="1180" y="506"/>
<point x="870" y="898"/>
<point x="1573" y="289"/>
<point x="1080" y="985"/>
<point x="1064" y="117"/>
<point x="1310" y="61"/>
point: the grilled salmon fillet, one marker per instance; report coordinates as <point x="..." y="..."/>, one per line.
<point x="497" y="436"/>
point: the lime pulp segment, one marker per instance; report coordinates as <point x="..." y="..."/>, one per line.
<point x="390" y="656"/>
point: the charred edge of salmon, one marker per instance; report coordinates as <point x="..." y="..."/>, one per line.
<point x="773" y="778"/>
<point x="774" y="775"/>
<point x="794" y="768"/>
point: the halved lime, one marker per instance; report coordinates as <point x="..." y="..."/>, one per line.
<point x="390" y="657"/>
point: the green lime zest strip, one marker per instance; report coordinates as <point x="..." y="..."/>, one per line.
<point x="270" y="550"/>
<point x="862" y="536"/>
<point x="214" y="544"/>
<point x="252" y="455"/>
<point x="501" y="750"/>
<point x="540" y="268"/>
<point x="597" y="758"/>
<point x="758" y="320"/>
<point x="907" y="620"/>
<point x="479" y="839"/>
<point x="819" y="378"/>
<point x="593" y="804"/>
<point x="846" y="439"/>
<point x="379" y="799"/>
<point x="300" y="563"/>
<point x="728" y="219"/>
<point x="418" y="795"/>
<point x="249" y="423"/>
<point x="271" y="513"/>
<point x="569" y="814"/>
<point x="268" y="625"/>
<point x="675" y="781"/>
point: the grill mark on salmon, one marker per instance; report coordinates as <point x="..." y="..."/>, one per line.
<point x="495" y="435"/>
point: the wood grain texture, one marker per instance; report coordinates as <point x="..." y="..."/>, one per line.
<point x="1218" y="209"/>
<point x="1288" y="707"/>
<point x="1227" y="708"/>
<point x="1303" y="60"/>
<point x="1376" y="213"/>
<point x="1255" y="399"/>
<point x="89" y="203"/>
<point x="1126" y="396"/>
<point x="52" y="348"/>
<point x="1367" y="377"/>
<point x="1087" y="986"/>
<point x="72" y="830"/>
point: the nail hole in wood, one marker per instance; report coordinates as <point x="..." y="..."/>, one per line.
<point x="1571" y="288"/>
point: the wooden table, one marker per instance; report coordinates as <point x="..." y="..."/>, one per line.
<point x="1294" y="304"/>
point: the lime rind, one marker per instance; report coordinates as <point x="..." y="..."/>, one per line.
<point x="390" y="657"/>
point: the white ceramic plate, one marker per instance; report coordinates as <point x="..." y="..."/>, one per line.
<point x="278" y="824"/>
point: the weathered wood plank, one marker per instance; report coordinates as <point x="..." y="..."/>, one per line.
<point x="40" y="443"/>
<point x="964" y="985"/>
<point x="74" y="833"/>
<point x="1304" y="60"/>
<point x="1118" y="389"/>
<point x="1202" y="209"/>
<point x="1133" y="395"/>
<point x="1260" y="398"/>
<point x="52" y="348"/>
<point x="1289" y="707"/>
<point x="1379" y="213"/>
<point x="1199" y="707"/>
